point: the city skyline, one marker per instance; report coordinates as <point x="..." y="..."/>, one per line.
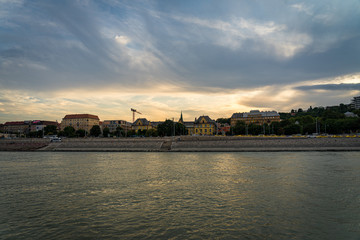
<point x="164" y="57"/>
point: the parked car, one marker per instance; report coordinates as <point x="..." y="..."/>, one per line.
<point x="56" y="139"/>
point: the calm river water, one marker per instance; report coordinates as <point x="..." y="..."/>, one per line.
<point x="295" y="195"/>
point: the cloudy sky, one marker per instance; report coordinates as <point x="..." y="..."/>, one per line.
<point x="201" y="57"/>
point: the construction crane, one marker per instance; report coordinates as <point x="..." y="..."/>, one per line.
<point x="134" y="111"/>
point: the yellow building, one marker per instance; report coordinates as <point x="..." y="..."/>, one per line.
<point x="141" y="124"/>
<point x="255" y="117"/>
<point x="80" y="121"/>
<point x="204" y="126"/>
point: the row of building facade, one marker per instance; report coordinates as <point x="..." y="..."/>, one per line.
<point x="202" y="125"/>
<point x="24" y="127"/>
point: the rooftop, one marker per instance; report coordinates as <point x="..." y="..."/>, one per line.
<point x="16" y="123"/>
<point x="76" y="116"/>
<point x="256" y="112"/>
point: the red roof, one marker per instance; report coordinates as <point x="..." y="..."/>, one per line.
<point x="76" y="116"/>
<point x="16" y="123"/>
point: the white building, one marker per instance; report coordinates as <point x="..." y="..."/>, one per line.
<point x="356" y="102"/>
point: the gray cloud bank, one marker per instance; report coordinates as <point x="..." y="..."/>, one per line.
<point x="331" y="87"/>
<point x="52" y="45"/>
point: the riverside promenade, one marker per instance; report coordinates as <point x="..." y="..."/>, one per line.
<point x="185" y="144"/>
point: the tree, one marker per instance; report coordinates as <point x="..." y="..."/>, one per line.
<point x="131" y="133"/>
<point x="166" y="128"/>
<point x="292" y="129"/>
<point x="309" y="128"/>
<point x="180" y="129"/>
<point x="118" y="131"/>
<point x="307" y="120"/>
<point x="151" y="133"/>
<point x="255" y="129"/>
<point x="285" y="122"/>
<point x="223" y="120"/>
<point x="69" y="131"/>
<point x="50" y="130"/>
<point x="106" y="132"/>
<point x="330" y="114"/>
<point x="239" y="128"/>
<point x="95" y="131"/>
<point x="80" y="133"/>
<point x="141" y="132"/>
<point x="276" y="128"/>
<point x="35" y="134"/>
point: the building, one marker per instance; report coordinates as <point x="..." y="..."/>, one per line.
<point x="204" y="125"/>
<point x="355" y="102"/>
<point x="39" y="125"/>
<point x="141" y="124"/>
<point x="350" y="114"/>
<point x="189" y="126"/>
<point x="255" y="117"/>
<point x="19" y="127"/>
<point x="80" y="121"/>
<point x="155" y="124"/>
<point x="112" y="125"/>
<point x="24" y="127"/>
<point x="223" y="128"/>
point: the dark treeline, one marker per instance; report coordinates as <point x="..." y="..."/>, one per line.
<point x="330" y="120"/>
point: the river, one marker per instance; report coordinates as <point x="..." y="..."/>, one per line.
<point x="283" y="195"/>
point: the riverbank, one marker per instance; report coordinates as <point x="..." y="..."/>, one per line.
<point x="185" y="144"/>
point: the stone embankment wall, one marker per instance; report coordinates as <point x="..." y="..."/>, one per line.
<point x="107" y="144"/>
<point x="29" y="144"/>
<point x="185" y="144"/>
<point x="268" y="144"/>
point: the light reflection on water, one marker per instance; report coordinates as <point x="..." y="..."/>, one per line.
<point x="309" y="195"/>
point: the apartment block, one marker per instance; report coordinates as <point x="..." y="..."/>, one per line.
<point x="255" y="117"/>
<point x="80" y="121"/>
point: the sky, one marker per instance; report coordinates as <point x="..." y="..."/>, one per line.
<point x="202" y="57"/>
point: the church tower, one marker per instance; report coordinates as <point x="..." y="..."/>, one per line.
<point x="181" y="120"/>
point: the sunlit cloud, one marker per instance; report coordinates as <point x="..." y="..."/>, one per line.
<point x="275" y="39"/>
<point x="162" y="58"/>
<point x="301" y="7"/>
<point x="156" y="104"/>
<point x="124" y="40"/>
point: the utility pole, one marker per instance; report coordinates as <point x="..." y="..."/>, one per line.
<point x="174" y="127"/>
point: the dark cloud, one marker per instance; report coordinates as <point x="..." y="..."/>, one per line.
<point x="331" y="87"/>
<point x="51" y="45"/>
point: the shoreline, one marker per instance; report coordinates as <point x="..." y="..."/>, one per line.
<point x="185" y="144"/>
